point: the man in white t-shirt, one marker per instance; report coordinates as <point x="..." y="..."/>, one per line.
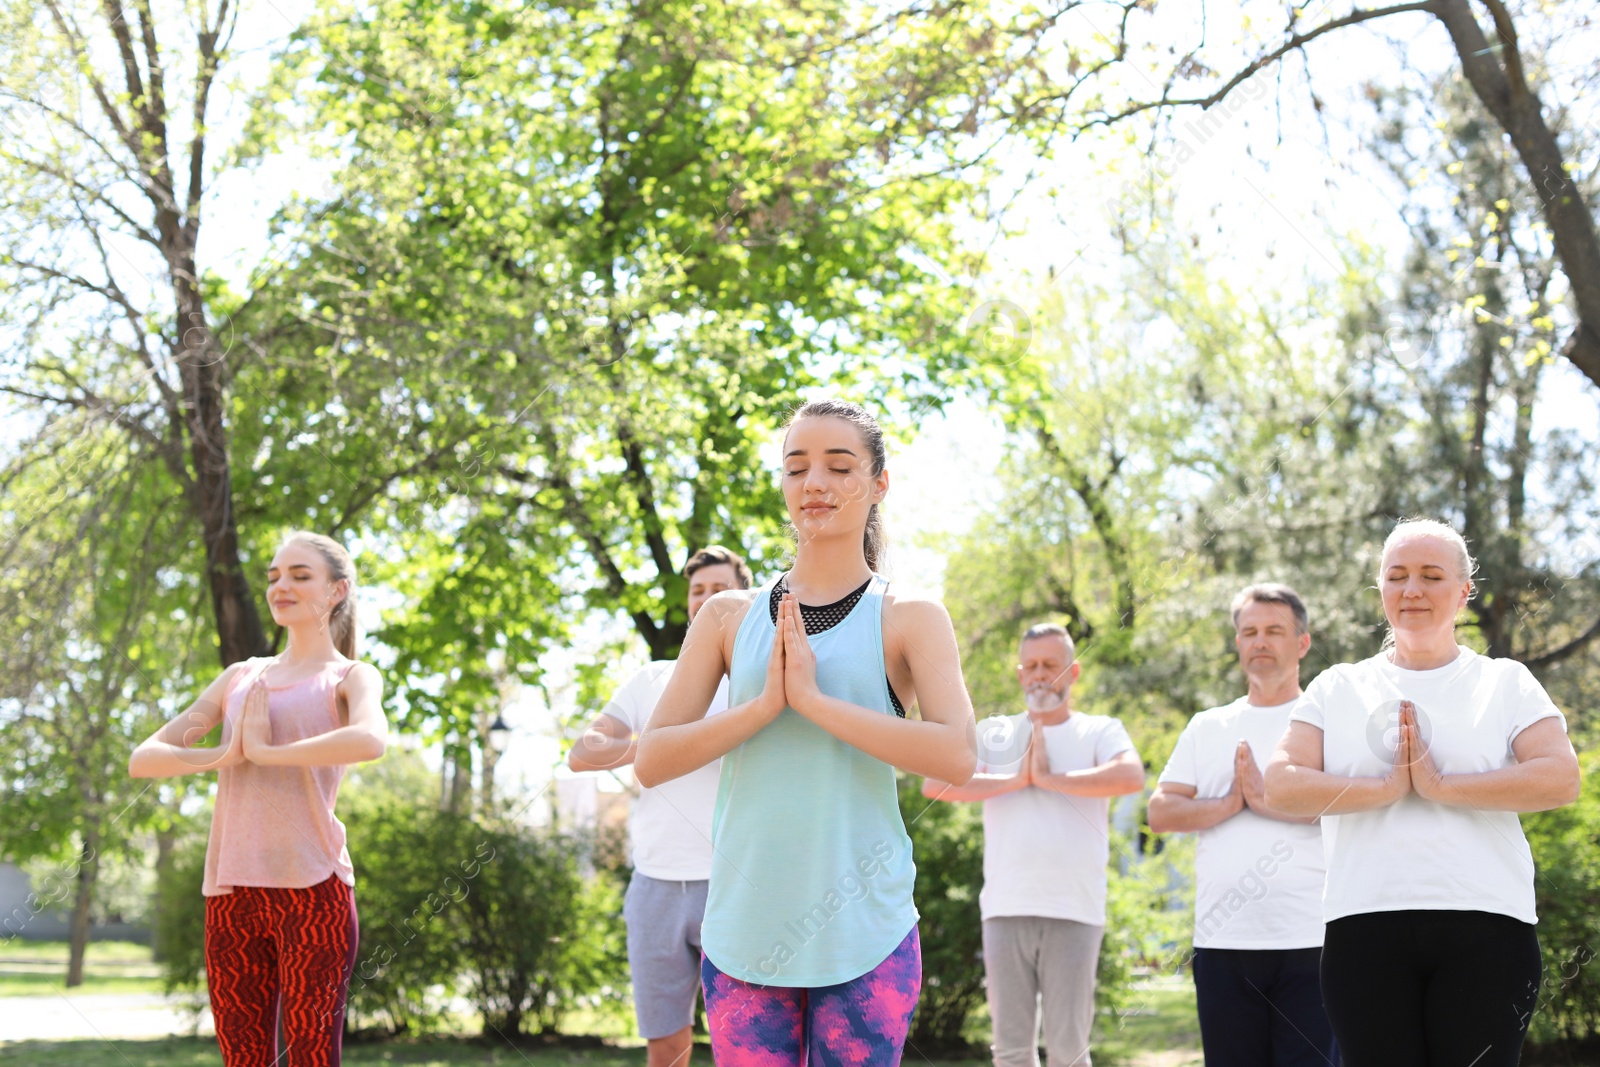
<point x="671" y="833"/>
<point x="1259" y="872"/>
<point x="1046" y="777"/>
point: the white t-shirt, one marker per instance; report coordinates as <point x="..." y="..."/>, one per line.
<point x="1044" y="854"/>
<point x="671" y="826"/>
<point x="1419" y="853"/>
<point x="1258" y="881"/>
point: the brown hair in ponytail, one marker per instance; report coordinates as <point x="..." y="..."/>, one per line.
<point x="342" y="619"/>
<point x="875" y="540"/>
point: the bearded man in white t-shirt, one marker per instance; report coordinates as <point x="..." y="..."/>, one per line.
<point x="671" y="834"/>
<point x="1046" y="777"/>
<point x="1259" y="872"/>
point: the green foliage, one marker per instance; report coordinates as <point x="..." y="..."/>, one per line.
<point x="180" y="929"/>
<point x="572" y="269"/>
<point x="1149" y="920"/>
<point x="448" y="906"/>
<point x="1567" y="888"/>
<point x="947" y="845"/>
<point x="538" y="937"/>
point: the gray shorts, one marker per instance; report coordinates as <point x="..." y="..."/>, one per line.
<point x="664" y="951"/>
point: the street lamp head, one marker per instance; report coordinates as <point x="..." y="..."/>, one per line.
<point x="499" y="733"/>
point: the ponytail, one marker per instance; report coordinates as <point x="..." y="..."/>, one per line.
<point x="874" y="539"/>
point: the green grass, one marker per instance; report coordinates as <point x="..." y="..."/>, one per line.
<point x="1158" y="1017"/>
<point x="39" y="968"/>
<point x="1158" y="1025"/>
<point x="99" y="952"/>
<point x="202" y="1052"/>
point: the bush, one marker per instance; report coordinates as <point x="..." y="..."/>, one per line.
<point x="414" y="866"/>
<point x="947" y="844"/>
<point x="447" y="905"/>
<point x="180" y="927"/>
<point x="1566" y="850"/>
<point x="1149" y="920"/>
<point x="537" y="938"/>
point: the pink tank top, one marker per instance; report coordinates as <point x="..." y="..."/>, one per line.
<point x="274" y="826"/>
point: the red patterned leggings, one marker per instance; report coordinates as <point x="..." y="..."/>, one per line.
<point x="280" y="949"/>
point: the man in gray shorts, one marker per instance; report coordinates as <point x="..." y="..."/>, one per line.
<point x="671" y="832"/>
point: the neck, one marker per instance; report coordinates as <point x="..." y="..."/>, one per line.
<point x="309" y="643"/>
<point x="1270" y="692"/>
<point x="826" y="571"/>
<point x="1423" y="652"/>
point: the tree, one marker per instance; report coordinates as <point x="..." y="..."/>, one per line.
<point x="1494" y="65"/>
<point x="107" y="170"/>
<point x="81" y="572"/>
<point x="1476" y="296"/>
<point x="640" y="233"/>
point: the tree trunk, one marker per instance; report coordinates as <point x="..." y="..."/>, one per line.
<point x="239" y="631"/>
<point x="88" y="875"/>
<point x="166" y="840"/>
<point x="1504" y="91"/>
<point x="460" y="783"/>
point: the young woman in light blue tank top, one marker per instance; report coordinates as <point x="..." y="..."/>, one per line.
<point x="811" y="950"/>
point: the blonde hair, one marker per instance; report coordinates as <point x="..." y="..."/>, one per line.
<point x="1406" y="530"/>
<point x="342" y="619"/>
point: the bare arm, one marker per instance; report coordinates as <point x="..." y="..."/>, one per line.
<point x="171" y="751"/>
<point x="363" y="738"/>
<point x="1175" y="808"/>
<point x="942" y="745"/>
<point x="1296" y="784"/>
<point x="1545" y="776"/>
<point x="607" y="744"/>
<point x="979" y="787"/>
<point x="1118" y="776"/>
<point x="679" y="738"/>
<point x="1254" y="787"/>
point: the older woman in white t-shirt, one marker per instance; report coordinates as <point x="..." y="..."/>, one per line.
<point x="1418" y="761"/>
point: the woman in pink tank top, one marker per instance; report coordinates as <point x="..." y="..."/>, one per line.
<point x="281" y="927"/>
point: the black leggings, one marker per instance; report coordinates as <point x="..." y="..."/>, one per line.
<point x="1430" y="988"/>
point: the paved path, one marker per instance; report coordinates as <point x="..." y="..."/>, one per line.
<point x="64" y="1015"/>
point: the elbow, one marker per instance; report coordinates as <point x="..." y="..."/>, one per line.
<point x="1273" y="788"/>
<point x="1572" y="788"/>
<point x="1156" y="818"/>
<point x="1278" y="789"/>
<point x="645" y="771"/>
<point x="375" y="747"/>
<point x="963" y="770"/>
<point x="136" y="766"/>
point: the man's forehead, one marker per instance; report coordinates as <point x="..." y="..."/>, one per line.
<point x="1044" y="645"/>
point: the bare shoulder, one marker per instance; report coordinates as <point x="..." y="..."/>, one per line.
<point x="916" y="623"/>
<point x="916" y="614"/>
<point x="729" y="606"/>
<point x="364" y="675"/>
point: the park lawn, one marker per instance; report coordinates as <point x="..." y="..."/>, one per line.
<point x="99" y="952"/>
<point x="1157" y="1029"/>
<point x="202" y="1052"/>
<point x="39" y="968"/>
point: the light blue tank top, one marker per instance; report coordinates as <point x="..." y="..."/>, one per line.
<point x="811" y="872"/>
